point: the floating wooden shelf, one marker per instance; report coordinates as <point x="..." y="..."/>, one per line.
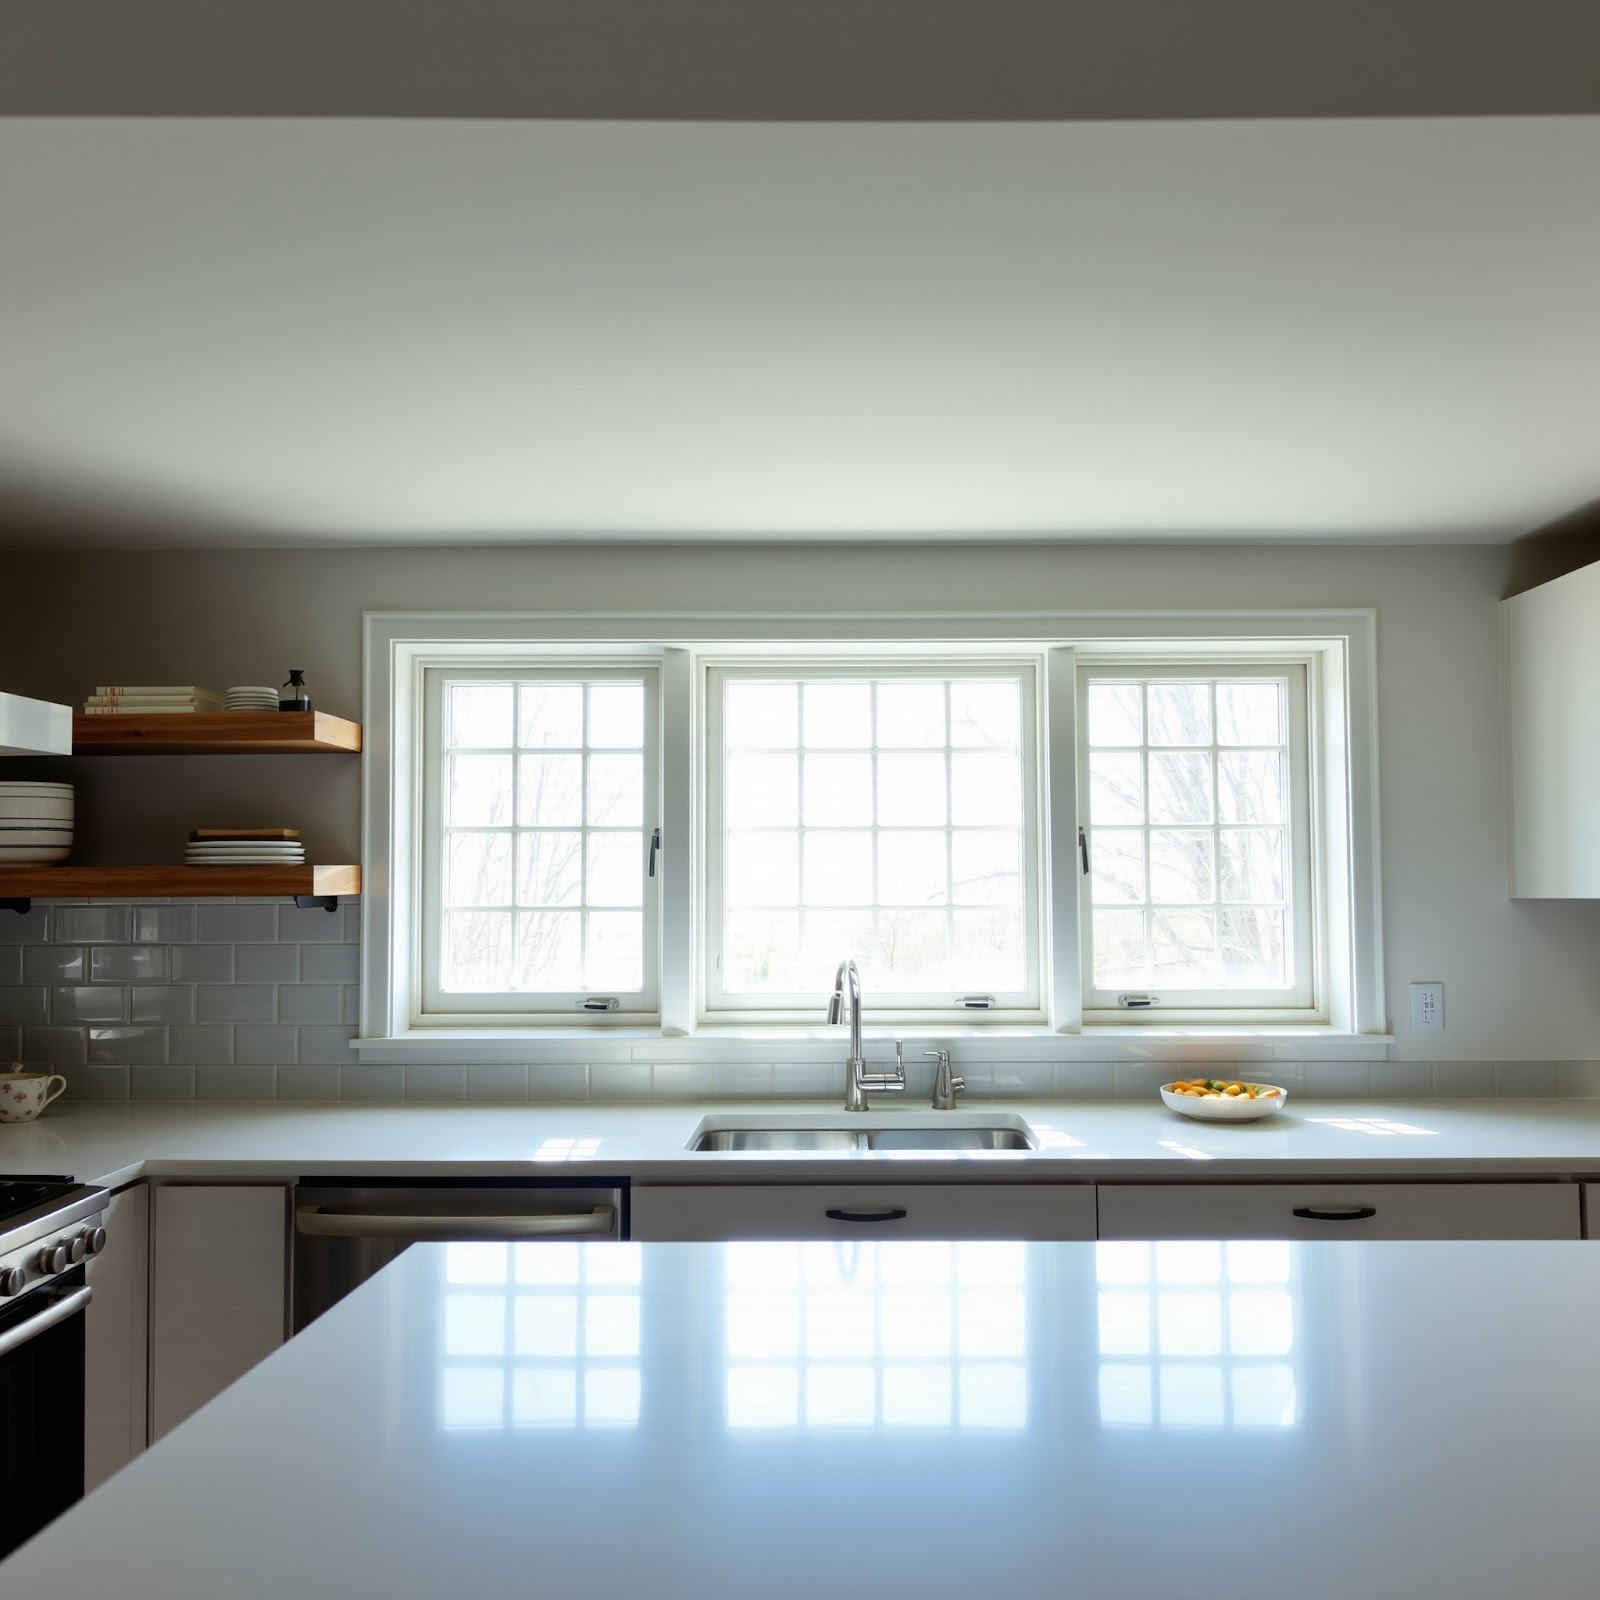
<point x="216" y="733"/>
<point x="186" y="883"/>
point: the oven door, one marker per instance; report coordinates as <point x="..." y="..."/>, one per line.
<point x="41" y="1406"/>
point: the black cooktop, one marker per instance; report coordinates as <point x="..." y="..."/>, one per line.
<point x="23" y="1194"/>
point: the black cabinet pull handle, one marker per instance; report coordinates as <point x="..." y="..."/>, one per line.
<point x="895" y="1214"/>
<point x="1353" y="1214"/>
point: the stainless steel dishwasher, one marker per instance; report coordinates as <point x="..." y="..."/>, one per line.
<point x="346" y="1229"/>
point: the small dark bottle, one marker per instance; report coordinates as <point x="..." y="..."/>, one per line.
<point x="294" y="696"/>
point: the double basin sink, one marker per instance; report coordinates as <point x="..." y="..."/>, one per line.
<point x="804" y="1135"/>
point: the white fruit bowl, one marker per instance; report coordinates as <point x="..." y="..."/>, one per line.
<point x="1225" y="1108"/>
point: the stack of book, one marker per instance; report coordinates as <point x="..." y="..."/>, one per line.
<point x="150" y="700"/>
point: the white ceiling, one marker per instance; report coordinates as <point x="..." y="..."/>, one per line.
<point x="255" y="332"/>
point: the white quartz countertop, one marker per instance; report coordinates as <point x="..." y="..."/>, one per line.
<point x="616" y="1420"/>
<point x="1079" y="1140"/>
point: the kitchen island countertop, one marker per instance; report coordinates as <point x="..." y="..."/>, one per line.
<point x="614" y="1420"/>
<point x="1079" y="1140"/>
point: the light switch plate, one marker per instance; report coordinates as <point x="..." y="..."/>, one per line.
<point x="1427" y="1008"/>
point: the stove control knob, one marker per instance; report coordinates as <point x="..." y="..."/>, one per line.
<point x="13" y="1280"/>
<point x="93" y="1240"/>
<point x="78" y="1246"/>
<point x="54" y="1258"/>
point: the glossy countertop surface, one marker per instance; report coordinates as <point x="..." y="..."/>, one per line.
<point x="1078" y="1140"/>
<point x="1172" y="1420"/>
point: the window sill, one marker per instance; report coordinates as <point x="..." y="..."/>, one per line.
<point x="589" y="1046"/>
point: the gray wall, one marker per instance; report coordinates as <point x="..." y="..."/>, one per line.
<point x="1519" y="978"/>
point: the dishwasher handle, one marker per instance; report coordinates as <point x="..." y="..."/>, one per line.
<point x="417" y="1229"/>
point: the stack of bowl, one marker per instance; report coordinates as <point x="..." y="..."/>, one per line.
<point x="35" y="824"/>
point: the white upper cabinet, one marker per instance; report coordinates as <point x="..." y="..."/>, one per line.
<point x="34" y="727"/>
<point x="1551" y="656"/>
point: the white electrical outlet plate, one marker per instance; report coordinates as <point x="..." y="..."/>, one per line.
<point x="1427" y="1008"/>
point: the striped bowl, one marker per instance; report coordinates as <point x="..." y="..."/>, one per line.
<point x="35" y="823"/>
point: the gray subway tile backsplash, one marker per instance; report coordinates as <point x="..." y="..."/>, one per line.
<point x="120" y="1046"/>
<point x="266" y="963"/>
<point x="54" y="1047"/>
<point x="210" y="1042"/>
<point x="223" y="924"/>
<point x="129" y="963"/>
<point x="163" y="924"/>
<point x="218" y="1081"/>
<point x="25" y="1002"/>
<point x="236" y="1002"/>
<point x="263" y="1043"/>
<point x="330" y="963"/>
<point x="169" y="1003"/>
<point x="55" y="963"/>
<point x="89" y="1003"/>
<point x="311" y="1002"/>
<point x="91" y="924"/>
<point x="257" y="1000"/>
<point x="311" y="927"/>
<point x="202" y="963"/>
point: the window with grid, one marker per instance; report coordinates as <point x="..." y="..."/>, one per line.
<point x="1193" y="800"/>
<point x="1195" y="1333"/>
<point x="542" y="1335"/>
<point x="865" y="1335"/>
<point x="885" y="812"/>
<point x="542" y="803"/>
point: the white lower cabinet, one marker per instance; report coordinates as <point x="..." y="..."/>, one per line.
<point x="864" y="1211"/>
<point x="1340" y="1211"/>
<point x="116" y="1343"/>
<point x="218" y="1291"/>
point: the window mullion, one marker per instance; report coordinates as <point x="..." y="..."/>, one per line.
<point x="678" y="944"/>
<point x="1063" y="978"/>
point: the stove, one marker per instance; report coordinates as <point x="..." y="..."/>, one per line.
<point x="50" y="1227"/>
<point x="47" y="1225"/>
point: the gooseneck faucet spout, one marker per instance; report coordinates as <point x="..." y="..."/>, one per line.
<point x="849" y="974"/>
<point x="857" y="1081"/>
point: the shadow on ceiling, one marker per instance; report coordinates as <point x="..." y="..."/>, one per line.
<point x="1554" y="550"/>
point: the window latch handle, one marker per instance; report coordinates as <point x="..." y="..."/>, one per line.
<point x="1083" y="849"/>
<point x="655" y="850"/>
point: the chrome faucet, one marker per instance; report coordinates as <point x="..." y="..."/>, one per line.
<point x="946" y="1086"/>
<point x="858" y="1082"/>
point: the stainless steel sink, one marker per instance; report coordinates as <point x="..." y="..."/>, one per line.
<point x="827" y="1139"/>
<point x="833" y="1141"/>
<point x="947" y="1139"/>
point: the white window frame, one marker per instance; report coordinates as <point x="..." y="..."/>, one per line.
<point x="718" y="1006"/>
<point x="1341" y="644"/>
<point x="1306" y="1002"/>
<point x="432" y="1005"/>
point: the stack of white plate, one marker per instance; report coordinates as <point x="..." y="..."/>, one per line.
<point x="244" y="853"/>
<point x="251" y="697"/>
<point x="35" y="824"/>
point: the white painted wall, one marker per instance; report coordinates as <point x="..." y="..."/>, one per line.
<point x="1519" y="977"/>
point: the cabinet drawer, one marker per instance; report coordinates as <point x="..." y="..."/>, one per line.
<point x="865" y="1211"/>
<point x="1340" y="1211"/>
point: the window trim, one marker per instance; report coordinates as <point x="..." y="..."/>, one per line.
<point x="1026" y="1008"/>
<point x="1304" y="870"/>
<point x="430" y="1007"/>
<point x="396" y="644"/>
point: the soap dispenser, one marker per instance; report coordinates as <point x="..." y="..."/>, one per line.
<point x="294" y="696"/>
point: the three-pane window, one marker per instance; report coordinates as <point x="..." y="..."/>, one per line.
<point x="888" y="808"/>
